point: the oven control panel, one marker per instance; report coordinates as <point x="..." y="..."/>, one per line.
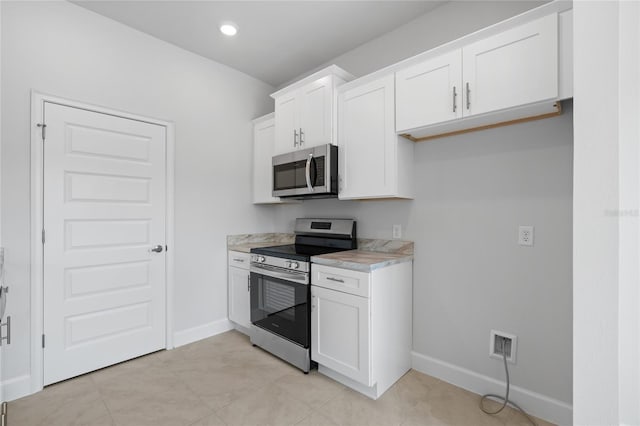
<point x="279" y="262"/>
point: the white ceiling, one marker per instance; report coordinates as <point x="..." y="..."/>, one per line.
<point x="277" y="40"/>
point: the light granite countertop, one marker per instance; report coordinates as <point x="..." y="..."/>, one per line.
<point x="245" y="242"/>
<point x="372" y="254"/>
<point x="361" y="260"/>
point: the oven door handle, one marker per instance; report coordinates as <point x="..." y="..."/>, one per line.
<point x="307" y="174"/>
<point x="275" y="272"/>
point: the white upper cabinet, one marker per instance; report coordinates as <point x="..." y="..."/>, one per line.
<point x="316" y="109"/>
<point x="372" y="161"/>
<point x="511" y="69"/>
<point x="305" y="112"/>
<point x="515" y="67"/>
<point x="286" y="128"/>
<point x="430" y="92"/>
<point x="263" y="148"/>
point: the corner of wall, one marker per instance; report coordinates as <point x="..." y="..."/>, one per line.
<point x="533" y="403"/>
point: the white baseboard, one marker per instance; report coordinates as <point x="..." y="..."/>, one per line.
<point x="16" y="388"/>
<point x="536" y="404"/>
<point x="190" y="335"/>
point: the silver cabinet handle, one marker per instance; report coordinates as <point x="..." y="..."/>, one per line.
<point x="301" y="137"/>
<point x="157" y="249"/>
<point x="307" y="174"/>
<point x="295" y="137"/>
<point x="338" y="280"/>
<point x="455" y="95"/>
<point x="468" y="97"/>
<point x="235" y="259"/>
<point x="249" y="283"/>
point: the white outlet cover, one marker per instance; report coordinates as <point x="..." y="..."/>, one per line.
<point x="397" y="232"/>
<point x="525" y="235"/>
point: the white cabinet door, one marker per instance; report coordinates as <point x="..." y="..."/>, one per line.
<point x="263" y="148"/>
<point x="515" y="67"/>
<point x="239" y="305"/>
<point x="367" y="141"/>
<point x="286" y="122"/>
<point x="316" y="100"/>
<point x="430" y="92"/>
<point x="340" y="333"/>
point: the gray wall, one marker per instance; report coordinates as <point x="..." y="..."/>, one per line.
<point x="473" y="190"/>
<point x="448" y="22"/>
<point x="62" y="49"/>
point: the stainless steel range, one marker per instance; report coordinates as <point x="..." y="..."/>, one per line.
<point x="281" y="291"/>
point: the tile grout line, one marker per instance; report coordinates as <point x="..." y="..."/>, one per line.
<point x="113" y="420"/>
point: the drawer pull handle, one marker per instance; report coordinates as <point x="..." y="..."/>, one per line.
<point x="238" y="260"/>
<point x="338" y="280"/>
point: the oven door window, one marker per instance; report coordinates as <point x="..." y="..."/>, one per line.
<point x="281" y="307"/>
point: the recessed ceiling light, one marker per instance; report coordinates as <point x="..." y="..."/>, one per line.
<point x="228" y="29"/>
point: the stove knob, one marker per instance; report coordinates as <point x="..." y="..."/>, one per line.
<point x="261" y="259"/>
<point x="294" y="265"/>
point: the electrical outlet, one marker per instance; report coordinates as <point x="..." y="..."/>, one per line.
<point x="525" y="235"/>
<point x="501" y="342"/>
<point x="397" y="232"/>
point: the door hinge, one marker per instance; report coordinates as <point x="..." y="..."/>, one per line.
<point x="44" y="130"/>
<point x="43" y="237"/>
<point x="7" y="336"/>
<point x="43" y="340"/>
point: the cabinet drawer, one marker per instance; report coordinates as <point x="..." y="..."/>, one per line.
<point x="345" y="280"/>
<point x="239" y="259"/>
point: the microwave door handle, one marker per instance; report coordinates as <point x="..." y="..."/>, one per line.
<point x="307" y="174"/>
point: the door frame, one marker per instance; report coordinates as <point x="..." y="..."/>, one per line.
<point x="38" y="100"/>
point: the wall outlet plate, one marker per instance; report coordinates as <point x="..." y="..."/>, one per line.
<point x="496" y="345"/>
<point x="525" y="235"/>
<point x="397" y="232"/>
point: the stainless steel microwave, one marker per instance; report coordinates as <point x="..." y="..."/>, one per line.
<point x="306" y="173"/>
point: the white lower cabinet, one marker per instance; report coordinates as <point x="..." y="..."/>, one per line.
<point x="361" y="332"/>
<point x="341" y="329"/>
<point x="239" y="284"/>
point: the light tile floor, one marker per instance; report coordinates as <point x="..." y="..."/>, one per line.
<point x="223" y="380"/>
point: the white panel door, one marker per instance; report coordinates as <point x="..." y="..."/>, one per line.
<point x="104" y="210"/>
<point x="515" y="67"/>
<point x="316" y="101"/>
<point x="286" y="112"/>
<point x="367" y="140"/>
<point x="429" y="92"/>
<point x="340" y="333"/>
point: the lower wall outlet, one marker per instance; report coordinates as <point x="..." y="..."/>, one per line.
<point x="396" y="232"/>
<point x="503" y="343"/>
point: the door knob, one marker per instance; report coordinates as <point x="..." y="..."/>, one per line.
<point x="157" y="249"/>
